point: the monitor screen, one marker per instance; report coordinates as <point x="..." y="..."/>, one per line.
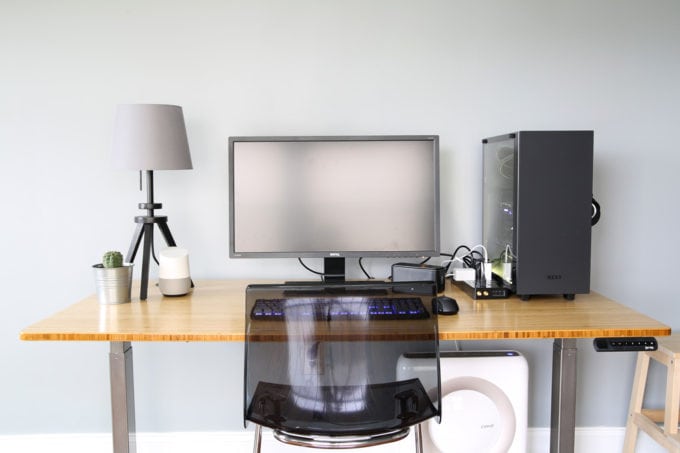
<point x="334" y="196"/>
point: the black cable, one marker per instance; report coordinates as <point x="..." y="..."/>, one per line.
<point x="361" y="265"/>
<point x="470" y="260"/>
<point x="153" y="251"/>
<point x="455" y="252"/>
<point x="364" y="270"/>
<point x="310" y="269"/>
<point x="453" y="256"/>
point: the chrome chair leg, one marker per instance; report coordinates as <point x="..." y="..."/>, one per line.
<point x="258" y="439"/>
<point x="419" y="438"/>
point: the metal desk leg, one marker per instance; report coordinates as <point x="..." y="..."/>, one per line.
<point x="122" y="397"/>
<point x="563" y="407"/>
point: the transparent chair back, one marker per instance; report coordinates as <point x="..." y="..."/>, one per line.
<point x="321" y="361"/>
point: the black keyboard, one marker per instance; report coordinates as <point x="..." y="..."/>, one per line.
<point x="339" y="308"/>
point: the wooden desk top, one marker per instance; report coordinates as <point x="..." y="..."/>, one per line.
<point x="214" y="311"/>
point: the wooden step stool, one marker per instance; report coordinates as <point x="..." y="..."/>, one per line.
<point x="647" y="420"/>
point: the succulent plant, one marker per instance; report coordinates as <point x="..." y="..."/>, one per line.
<point x="112" y="259"/>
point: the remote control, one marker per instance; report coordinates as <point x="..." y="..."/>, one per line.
<point x="625" y="344"/>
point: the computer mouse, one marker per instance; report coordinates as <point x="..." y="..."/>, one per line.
<point x="446" y="305"/>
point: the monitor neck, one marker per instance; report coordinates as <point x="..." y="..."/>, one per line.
<point x="333" y="269"/>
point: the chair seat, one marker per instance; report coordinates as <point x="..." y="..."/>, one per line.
<point x="340" y="442"/>
<point x="340" y="411"/>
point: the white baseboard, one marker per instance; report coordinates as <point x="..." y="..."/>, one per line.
<point x="597" y="439"/>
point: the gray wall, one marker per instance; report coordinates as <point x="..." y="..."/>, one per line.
<point x="460" y="69"/>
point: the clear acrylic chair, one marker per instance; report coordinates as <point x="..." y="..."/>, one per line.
<point x="321" y="362"/>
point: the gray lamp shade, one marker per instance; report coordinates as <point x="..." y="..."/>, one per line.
<point x="150" y="137"/>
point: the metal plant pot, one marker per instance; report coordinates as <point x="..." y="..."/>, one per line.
<point x="114" y="284"/>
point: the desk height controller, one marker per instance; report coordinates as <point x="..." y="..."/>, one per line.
<point x="619" y="344"/>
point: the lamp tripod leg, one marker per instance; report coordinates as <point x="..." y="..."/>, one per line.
<point x="134" y="244"/>
<point x="167" y="235"/>
<point x="148" y="239"/>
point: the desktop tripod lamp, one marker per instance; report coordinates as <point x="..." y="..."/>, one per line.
<point x="150" y="137"/>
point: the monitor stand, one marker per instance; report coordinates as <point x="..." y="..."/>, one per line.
<point x="333" y="274"/>
<point x="333" y="278"/>
<point x="334" y="269"/>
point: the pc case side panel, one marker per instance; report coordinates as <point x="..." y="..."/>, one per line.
<point x="498" y="204"/>
<point x="554" y="192"/>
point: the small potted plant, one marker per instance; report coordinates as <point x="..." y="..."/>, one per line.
<point x="113" y="279"/>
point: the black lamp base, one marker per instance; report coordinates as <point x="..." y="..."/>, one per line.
<point x="145" y="230"/>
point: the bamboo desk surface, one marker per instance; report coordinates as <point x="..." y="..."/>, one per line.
<point x="214" y="311"/>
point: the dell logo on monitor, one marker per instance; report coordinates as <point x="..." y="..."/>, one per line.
<point x="554" y="277"/>
<point x="334" y="254"/>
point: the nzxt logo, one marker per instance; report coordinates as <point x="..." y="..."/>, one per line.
<point x="554" y="277"/>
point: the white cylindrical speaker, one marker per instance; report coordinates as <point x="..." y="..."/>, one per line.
<point x="173" y="273"/>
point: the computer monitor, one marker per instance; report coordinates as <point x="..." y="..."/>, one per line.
<point x="334" y="197"/>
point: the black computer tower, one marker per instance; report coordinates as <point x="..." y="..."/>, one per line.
<point x="537" y="203"/>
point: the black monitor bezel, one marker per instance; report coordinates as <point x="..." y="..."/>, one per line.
<point x="435" y="251"/>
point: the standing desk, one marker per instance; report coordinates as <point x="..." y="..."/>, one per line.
<point x="214" y="311"/>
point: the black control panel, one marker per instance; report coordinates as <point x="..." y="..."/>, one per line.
<point x="616" y="344"/>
